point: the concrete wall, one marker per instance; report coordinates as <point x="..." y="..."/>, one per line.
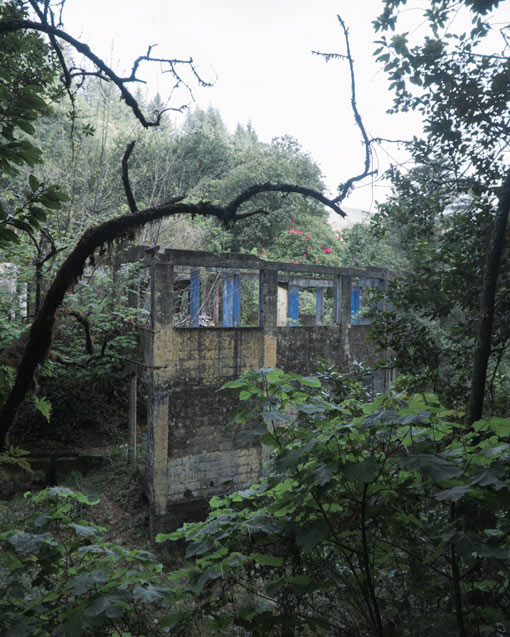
<point x="191" y="454"/>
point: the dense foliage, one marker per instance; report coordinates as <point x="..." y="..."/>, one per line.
<point x="376" y="517"/>
<point x="454" y="70"/>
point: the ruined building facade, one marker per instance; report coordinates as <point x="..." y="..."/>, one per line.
<point x="212" y="317"/>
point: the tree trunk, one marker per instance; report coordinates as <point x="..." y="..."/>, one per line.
<point x="487" y="302"/>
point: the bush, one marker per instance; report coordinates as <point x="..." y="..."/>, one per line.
<point x="79" y="411"/>
<point x="383" y="518"/>
<point x="61" y="578"/>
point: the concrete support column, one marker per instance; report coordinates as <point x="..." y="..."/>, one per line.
<point x="162" y="294"/>
<point x="343" y="312"/>
<point x="268" y="312"/>
<point x="162" y="301"/>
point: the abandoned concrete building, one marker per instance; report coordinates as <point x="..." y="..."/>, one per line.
<point x="212" y="317"/>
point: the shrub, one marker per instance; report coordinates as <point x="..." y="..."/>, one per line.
<point x="59" y="576"/>
<point x="383" y="518"/>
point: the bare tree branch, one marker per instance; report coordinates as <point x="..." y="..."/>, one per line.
<point x="84" y="321"/>
<point x="345" y="187"/>
<point x="250" y="192"/>
<point x="125" y="177"/>
<point x="9" y="26"/>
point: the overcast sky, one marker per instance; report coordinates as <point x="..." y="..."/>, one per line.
<point x="259" y="52"/>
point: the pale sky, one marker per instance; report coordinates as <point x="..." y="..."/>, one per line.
<point x="260" y="52"/>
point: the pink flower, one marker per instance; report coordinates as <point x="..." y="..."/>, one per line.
<point x="298" y="231"/>
<point x="307" y="237"/>
<point x="309" y="248"/>
<point x="315" y="259"/>
<point x="290" y="231"/>
<point x="324" y="251"/>
<point x="320" y="246"/>
<point x="304" y="255"/>
<point x="323" y="236"/>
<point x="328" y="250"/>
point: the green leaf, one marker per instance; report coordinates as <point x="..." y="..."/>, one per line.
<point x="500" y="426"/>
<point x="246" y="435"/>
<point x="43" y="405"/>
<point x="324" y="473"/>
<point x="149" y="593"/>
<point x="260" y="522"/>
<point x="275" y="376"/>
<point x="104" y="604"/>
<point x="454" y="494"/>
<point x="490" y="477"/>
<point x="74" y="623"/>
<point x="431" y="466"/>
<point x="364" y="471"/>
<point x="205" y="577"/>
<point x="26" y="126"/>
<point x="311" y="535"/>
<point x="83" y="583"/>
<point x="310" y="381"/>
<point x="27" y="542"/>
<point x="33" y="183"/>
<point x="266" y="560"/>
<point x="39" y="213"/>
<point x="8" y="236"/>
<point x="84" y="531"/>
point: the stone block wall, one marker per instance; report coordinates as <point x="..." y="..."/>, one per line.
<point x="192" y="454"/>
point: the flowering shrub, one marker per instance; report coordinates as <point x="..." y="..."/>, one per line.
<point x="314" y="242"/>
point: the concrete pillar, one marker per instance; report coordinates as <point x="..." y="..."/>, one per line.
<point x="162" y="298"/>
<point x="268" y="312"/>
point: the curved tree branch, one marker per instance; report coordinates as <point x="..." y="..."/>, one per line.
<point x="41" y="332"/>
<point x="250" y="192"/>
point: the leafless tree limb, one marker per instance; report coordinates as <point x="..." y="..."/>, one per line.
<point x="9" y="26"/>
<point x="257" y="189"/>
<point x="345" y="187"/>
<point x="125" y="178"/>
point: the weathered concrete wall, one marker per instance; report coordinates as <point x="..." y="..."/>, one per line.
<point x="191" y="453"/>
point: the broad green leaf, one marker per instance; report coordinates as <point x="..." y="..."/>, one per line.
<point x="83" y="583"/>
<point x="206" y="576"/>
<point x="431" y="466"/>
<point x="500" y="426"/>
<point x="43" y="405"/>
<point x="365" y="471"/>
<point x="261" y="522"/>
<point x="266" y="560"/>
<point x="490" y="477"/>
<point x="33" y="182"/>
<point x="27" y="542"/>
<point x="311" y="535"/>
<point x="324" y="473"/>
<point x="310" y="381"/>
<point x="149" y="593"/>
<point x="73" y="625"/>
<point x="454" y="494"/>
<point x="246" y="435"/>
<point x="84" y="531"/>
